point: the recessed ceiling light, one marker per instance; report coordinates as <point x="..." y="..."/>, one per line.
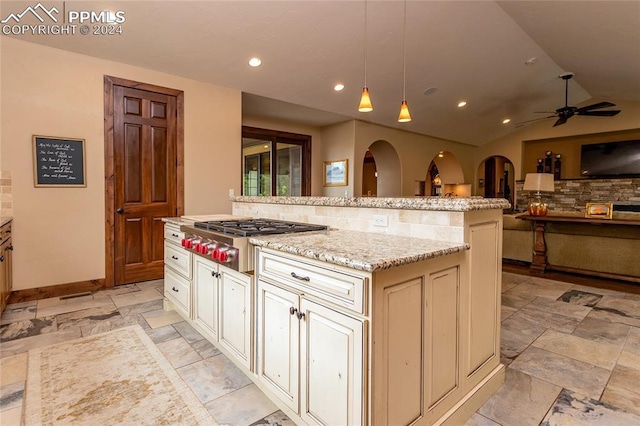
<point x="338" y="87"/>
<point x="461" y="104"/>
<point x="255" y="62"/>
<point x="506" y="120"/>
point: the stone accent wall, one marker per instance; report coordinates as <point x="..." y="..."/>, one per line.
<point x="573" y="195"/>
<point x="6" y="194"/>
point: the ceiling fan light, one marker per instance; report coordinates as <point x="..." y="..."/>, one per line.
<point x="404" y="116"/>
<point x="365" y="101"/>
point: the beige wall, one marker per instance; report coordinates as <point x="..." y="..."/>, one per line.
<point x="510" y="146"/>
<point x="338" y="143"/>
<point x="59" y="232"/>
<point x="415" y="153"/>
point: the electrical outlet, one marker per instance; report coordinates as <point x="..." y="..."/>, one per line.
<point x="380" y="220"/>
<point x="232" y="192"/>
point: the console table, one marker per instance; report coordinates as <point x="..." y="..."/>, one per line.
<point x="539" y="262"/>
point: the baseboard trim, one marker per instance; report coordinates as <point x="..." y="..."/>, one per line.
<point x="38" y="293"/>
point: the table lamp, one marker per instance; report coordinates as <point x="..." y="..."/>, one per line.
<point x="538" y="182"/>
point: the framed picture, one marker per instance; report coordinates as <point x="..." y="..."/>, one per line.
<point x="599" y="210"/>
<point x="58" y="162"/>
<point x="336" y="173"/>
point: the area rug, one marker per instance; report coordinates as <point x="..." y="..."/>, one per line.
<point x="113" y="378"/>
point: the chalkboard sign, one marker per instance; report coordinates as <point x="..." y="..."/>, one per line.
<point x="58" y="162"/>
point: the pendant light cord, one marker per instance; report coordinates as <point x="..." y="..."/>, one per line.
<point x="365" y="43"/>
<point x="404" y="58"/>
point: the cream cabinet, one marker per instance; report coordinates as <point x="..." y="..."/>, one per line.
<point x="6" y="272"/>
<point x="177" y="271"/>
<point x="235" y="320"/>
<point x="416" y="344"/>
<point x="206" y="296"/>
<point x="311" y="351"/>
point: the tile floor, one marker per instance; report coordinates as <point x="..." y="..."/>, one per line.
<point x="572" y="353"/>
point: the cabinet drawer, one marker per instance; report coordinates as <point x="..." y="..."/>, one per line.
<point x="173" y="233"/>
<point x="177" y="289"/>
<point x="333" y="286"/>
<point x="177" y="258"/>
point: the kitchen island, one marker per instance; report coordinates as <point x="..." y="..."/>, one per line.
<point x="398" y="324"/>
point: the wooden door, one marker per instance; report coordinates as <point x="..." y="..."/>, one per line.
<point x="144" y="142"/>
<point x="331" y="361"/>
<point x="278" y="342"/>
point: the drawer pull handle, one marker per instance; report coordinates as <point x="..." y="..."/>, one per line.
<point x="174" y="289"/>
<point x="292" y="310"/>
<point x="174" y="257"/>
<point x="298" y="277"/>
<point x="300" y="315"/>
<point x="175" y="235"/>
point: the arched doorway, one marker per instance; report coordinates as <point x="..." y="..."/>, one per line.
<point x="369" y="176"/>
<point x="446" y="177"/>
<point x="496" y="178"/>
<point x="381" y="169"/>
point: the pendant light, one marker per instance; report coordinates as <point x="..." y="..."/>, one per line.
<point x="404" y="116"/>
<point x="365" y="100"/>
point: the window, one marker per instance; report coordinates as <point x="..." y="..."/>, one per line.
<point x="275" y="163"/>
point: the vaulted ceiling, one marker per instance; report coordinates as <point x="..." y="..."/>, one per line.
<point x="476" y="51"/>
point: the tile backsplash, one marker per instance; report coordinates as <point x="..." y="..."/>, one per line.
<point x="6" y="194"/>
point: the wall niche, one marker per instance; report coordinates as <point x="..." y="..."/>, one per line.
<point x="569" y="148"/>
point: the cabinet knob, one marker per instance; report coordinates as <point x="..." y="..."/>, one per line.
<point x="120" y="210"/>
<point x="1" y="258"/>
<point x="300" y="315"/>
<point x="215" y="274"/>
<point x="11" y="248"/>
<point x="299" y="277"/>
<point x="292" y="310"/>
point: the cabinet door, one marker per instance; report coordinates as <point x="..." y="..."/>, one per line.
<point x="205" y="297"/>
<point x="4" y="282"/>
<point x="235" y="314"/>
<point x="332" y="364"/>
<point x="278" y="342"/>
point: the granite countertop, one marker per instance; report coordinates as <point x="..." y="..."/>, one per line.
<point x="458" y="204"/>
<point x="358" y="250"/>
<point x="190" y="219"/>
<point x="5" y="219"/>
<point x="177" y="221"/>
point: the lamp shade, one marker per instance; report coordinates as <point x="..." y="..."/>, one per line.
<point x="538" y="182"/>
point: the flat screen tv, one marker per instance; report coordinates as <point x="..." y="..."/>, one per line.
<point x="610" y="159"/>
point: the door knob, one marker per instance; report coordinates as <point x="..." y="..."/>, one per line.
<point x="120" y="210"/>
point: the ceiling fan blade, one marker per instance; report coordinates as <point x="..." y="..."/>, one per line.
<point x="560" y="121"/>
<point x="535" y="119"/>
<point x="596" y="106"/>
<point x="609" y="113"/>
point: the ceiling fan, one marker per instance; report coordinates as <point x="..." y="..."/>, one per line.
<point x="566" y="112"/>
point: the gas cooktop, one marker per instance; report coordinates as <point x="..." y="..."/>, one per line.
<point x="252" y="227"/>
